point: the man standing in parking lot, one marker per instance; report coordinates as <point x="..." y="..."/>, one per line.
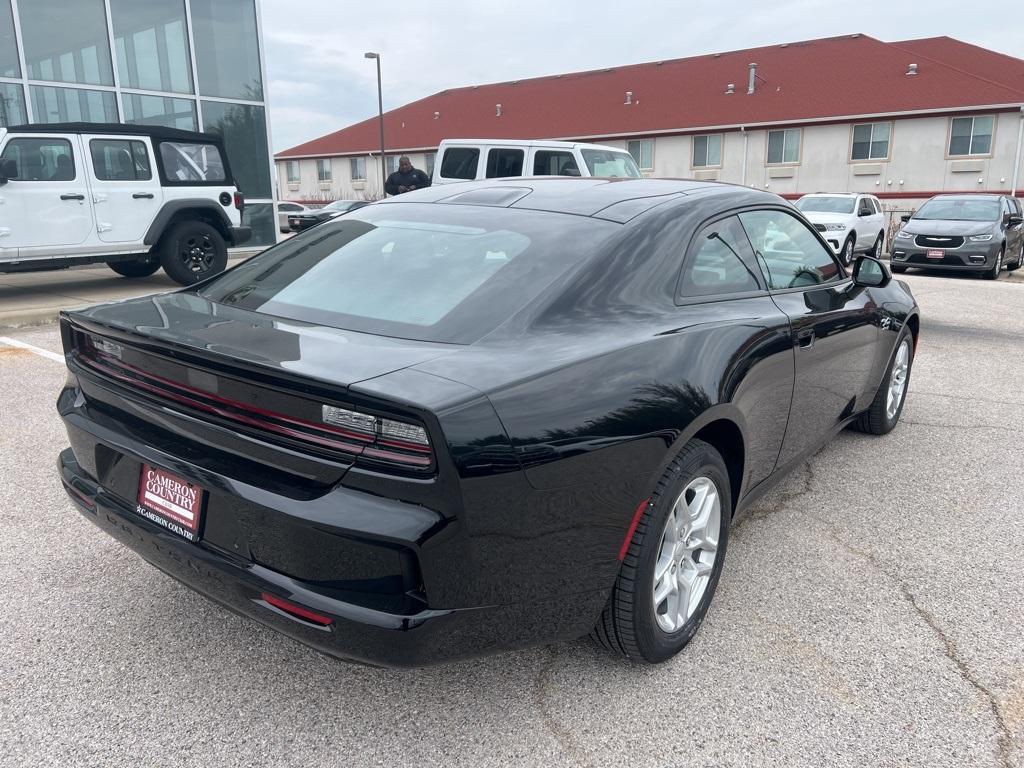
<point x="406" y="178"/>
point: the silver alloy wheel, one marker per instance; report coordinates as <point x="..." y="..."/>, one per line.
<point x="689" y="545"/>
<point x="848" y="252"/>
<point x="898" y="379"/>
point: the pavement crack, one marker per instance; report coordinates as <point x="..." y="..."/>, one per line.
<point x="949" y="646"/>
<point x="1000" y="427"/>
<point x="541" y="687"/>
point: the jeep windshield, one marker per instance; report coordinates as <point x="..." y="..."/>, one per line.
<point x="959" y="210"/>
<point x="608" y="164"/>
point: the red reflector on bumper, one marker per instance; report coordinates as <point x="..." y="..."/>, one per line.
<point x="632" y="529"/>
<point x="296" y="610"/>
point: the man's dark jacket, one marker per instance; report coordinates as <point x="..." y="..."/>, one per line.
<point x="415" y="179"/>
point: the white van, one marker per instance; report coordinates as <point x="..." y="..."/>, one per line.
<point x="470" y="159"/>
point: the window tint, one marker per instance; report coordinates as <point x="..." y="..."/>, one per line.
<point x="788" y="254"/>
<point x="504" y="162"/>
<point x="150" y="43"/>
<point x="460" y="163"/>
<point x="715" y="264"/>
<point x="227" y="49"/>
<point x="120" y="160"/>
<point x="865" y="208"/>
<point x="289" y="207"/>
<point x="446" y="273"/>
<point x="550" y="162"/>
<point x="41" y="159"/>
<point x="66" y="42"/>
<point x="191" y="163"/>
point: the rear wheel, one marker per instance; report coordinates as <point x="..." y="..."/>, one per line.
<point x="993" y="273"/>
<point x="1015" y="265"/>
<point x="139" y="268"/>
<point x="671" y="569"/>
<point x="192" y="251"/>
<point x="876" y="249"/>
<point x="884" y="413"/>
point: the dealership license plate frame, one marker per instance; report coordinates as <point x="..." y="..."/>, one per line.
<point x="164" y="509"/>
<point x="935" y="253"/>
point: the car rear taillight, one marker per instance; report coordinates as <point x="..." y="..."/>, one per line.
<point x="390" y="440"/>
<point x="239" y="200"/>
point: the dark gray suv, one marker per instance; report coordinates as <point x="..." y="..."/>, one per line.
<point x="967" y="233"/>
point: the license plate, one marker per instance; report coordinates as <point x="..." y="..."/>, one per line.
<point x="170" y="501"/>
<point x="935" y="253"/>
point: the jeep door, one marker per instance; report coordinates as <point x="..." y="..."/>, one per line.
<point x="47" y="207"/>
<point x="126" y="192"/>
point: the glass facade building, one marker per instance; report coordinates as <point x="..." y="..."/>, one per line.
<point x="193" y="64"/>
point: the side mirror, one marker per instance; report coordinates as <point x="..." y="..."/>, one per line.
<point x="8" y="171"/>
<point x="1014" y="220"/>
<point x="865" y="212"/>
<point x="905" y="218"/>
<point x="869" y="272"/>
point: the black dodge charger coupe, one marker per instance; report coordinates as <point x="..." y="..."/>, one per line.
<point x="481" y="416"/>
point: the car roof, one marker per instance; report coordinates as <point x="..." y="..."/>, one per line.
<point x="154" y="131"/>
<point x="837" y="194"/>
<point x="552" y="144"/>
<point x="618" y="200"/>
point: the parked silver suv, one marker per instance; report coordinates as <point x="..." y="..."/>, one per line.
<point x="134" y="197"/>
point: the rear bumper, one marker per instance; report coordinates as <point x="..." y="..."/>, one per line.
<point x="355" y="633"/>
<point x="240" y="235"/>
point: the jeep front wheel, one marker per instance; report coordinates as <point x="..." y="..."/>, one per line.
<point x="192" y="251"/>
<point x="138" y="268"/>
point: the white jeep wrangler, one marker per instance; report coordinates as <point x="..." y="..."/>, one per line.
<point x="134" y="197"/>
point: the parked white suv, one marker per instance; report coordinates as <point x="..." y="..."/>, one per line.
<point x="851" y="223"/>
<point x="469" y="159"/>
<point x="134" y="197"/>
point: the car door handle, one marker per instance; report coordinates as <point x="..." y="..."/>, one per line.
<point x="72" y="197"/>
<point x="806" y="338"/>
<point x="143" y="196"/>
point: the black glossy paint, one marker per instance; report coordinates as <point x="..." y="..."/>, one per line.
<point x="548" y="432"/>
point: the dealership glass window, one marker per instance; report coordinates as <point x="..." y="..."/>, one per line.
<point x="70" y="105"/>
<point x="260" y="216"/>
<point x="292" y="169"/>
<point x="784" y="146"/>
<point x="120" y="160"/>
<point x="971" y="135"/>
<point x="41" y="159"/>
<point x="227" y="49"/>
<point x="707" y="150"/>
<point x="151" y="44"/>
<point x="323" y="170"/>
<point x="9" y="65"/>
<point x="160" y="110"/>
<point x="12" y="105"/>
<point x="244" y="129"/>
<point x="789" y="255"/>
<point x="357" y="168"/>
<point x="642" y="151"/>
<point x="428" y="163"/>
<point x="66" y="42"/>
<point x="502" y="163"/>
<point x="871" y="141"/>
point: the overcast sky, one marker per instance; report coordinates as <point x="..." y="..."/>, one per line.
<point x="320" y="81"/>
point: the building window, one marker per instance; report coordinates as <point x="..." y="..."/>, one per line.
<point x="227" y="48"/>
<point x="871" y="141"/>
<point x="244" y="129"/>
<point x="9" y="66"/>
<point x="160" y="110"/>
<point x="323" y="170"/>
<point x="642" y="151"/>
<point x="971" y="135"/>
<point x="784" y="146"/>
<point x="66" y="42"/>
<point x="151" y="45"/>
<point x="392" y="163"/>
<point x="357" y="167"/>
<point x="12" y="104"/>
<point x="707" y="151"/>
<point x="428" y="163"/>
<point x="72" y="105"/>
<point x="292" y="169"/>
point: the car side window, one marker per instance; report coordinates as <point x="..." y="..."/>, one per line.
<point x="548" y="162"/>
<point x="789" y="255"/>
<point x="718" y="262"/>
<point x="502" y="163"/>
<point x="120" y="160"/>
<point x="41" y="159"/>
<point x="460" y="163"/>
<point x="866" y="209"/>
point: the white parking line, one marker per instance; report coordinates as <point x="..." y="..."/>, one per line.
<point x="33" y="349"/>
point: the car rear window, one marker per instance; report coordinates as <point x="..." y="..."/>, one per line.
<point x="411" y="270"/>
<point x="192" y="163"/>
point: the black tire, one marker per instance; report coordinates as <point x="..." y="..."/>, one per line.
<point x="847" y="252"/>
<point x="192" y="251"/>
<point x="897" y="269"/>
<point x="876" y="420"/>
<point x="997" y="267"/>
<point x="876" y="249"/>
<point x="628" y="625"/>
<point x="139" y="268"/>
<point x="1015" y="265"/>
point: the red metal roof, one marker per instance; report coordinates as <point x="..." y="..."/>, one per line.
<point x="797" y="82"/>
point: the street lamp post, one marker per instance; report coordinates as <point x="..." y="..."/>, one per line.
<point x="380" y="113"/>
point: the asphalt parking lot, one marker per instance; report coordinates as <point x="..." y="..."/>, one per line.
<point x="870" y="613"/>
